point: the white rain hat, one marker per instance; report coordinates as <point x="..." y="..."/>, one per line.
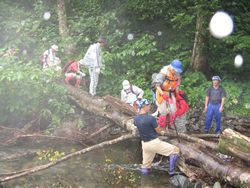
<point x="55" y="47"/>
<point x="125" y="84"/>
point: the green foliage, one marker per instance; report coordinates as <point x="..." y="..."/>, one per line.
<point x="48" y="154"/>
<point x="162" y="31"/>
<point x="27" y="92"/>
<point x="113" y="176"/>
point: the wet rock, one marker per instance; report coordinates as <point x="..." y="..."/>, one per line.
<point x="180" y="181"/>
<point x="240" y="128"/>
<point x="230" y="116"/>
<point x="195" y="114"/>
<point x="196" y="128"/>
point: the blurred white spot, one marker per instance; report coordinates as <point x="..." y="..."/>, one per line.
<point x="221" y="25"/>
<point x="248" y="105"/>
<point x="24" y="52"/>
<point x="1" y="67"/>
<point x="133" y="53"/>
<point x="44" y="39"/>
<point x="86" y="39"/>
<point x="124" y="62"/>
<point x="159" y="33"/>
<point x="234" y="3"/>
<point x="214" y="46"/>
<point x="130" y="36"/>
<point x="46" y="15"/>
<point x="82" y="112"/>
<point x="238" y="61"/>
<point x="22" y="22"/>
<point x="117" y="30"/>
<point x="154" y="75"/>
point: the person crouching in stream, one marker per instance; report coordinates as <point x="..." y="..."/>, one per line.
<point x="151" y="144"/>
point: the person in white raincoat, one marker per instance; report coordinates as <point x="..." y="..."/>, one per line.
<point x="131" y="94"/>
<point x="92" y="60"/>
<point x="50" y="59"/>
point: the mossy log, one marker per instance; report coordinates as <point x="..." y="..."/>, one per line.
<point x="235" y="144"/>
<point x="206" y="159"/>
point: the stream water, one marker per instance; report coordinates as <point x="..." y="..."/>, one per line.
<point x="82" y="170"/>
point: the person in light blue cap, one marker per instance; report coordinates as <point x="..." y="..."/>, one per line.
<point x="151" y="144"/>
<point x="214" y="102"/>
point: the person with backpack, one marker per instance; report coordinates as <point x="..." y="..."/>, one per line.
<point x="214" y="102"/>
<point x="92" y="60"/>
<point x="72" y="72"/>
<point x="131" y="94"/>
<point x="49" y="59"/>
<point x="151" y="144"/>
<point x="167" y="92"/>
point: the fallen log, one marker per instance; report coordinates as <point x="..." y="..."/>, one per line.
<point x="235" y="144"/>
<point x="213" y="165"/>
<point x="43" y="167"/>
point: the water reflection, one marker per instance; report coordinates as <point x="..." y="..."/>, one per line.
<point x="79" y="171"/>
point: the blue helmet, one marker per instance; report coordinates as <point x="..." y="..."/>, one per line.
<point x="142" y="103"/>
<point x="176" y="64"/>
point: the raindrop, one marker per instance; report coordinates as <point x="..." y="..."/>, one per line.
<point x="46" y="15"/>
<point x="1" y="67"/>
<point x="221" y="25"/>
<point x="130" y="36"/>
<point x="143" y="66"/>
<point x="248" y="105"/>
<point x="44" y="39"/>
<point x="24" y="52"/>
<point x="22" y="22"/>
<point x="154" y="75"/>
<point x="133" y="53"/>
<point x="214" y="46"/>
<point x="233" y="3"/>
<point x="86" y="39"/>
<point x="238" y="61"/>
<point x="117" y="30"/>
<point x="159" y="33"/>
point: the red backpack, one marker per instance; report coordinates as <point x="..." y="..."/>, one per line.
<point x="66" y="66"/>
<point x="42" y="60"/>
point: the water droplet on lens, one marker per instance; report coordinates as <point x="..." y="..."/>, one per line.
<point x="46" y="15"/>
<point x="159" y="33"/>
<point x="24" y="52"/>
<point x="130" y="36"/>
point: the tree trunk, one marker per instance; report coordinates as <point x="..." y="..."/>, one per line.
<point x="235" y="144"/>
<point x="63" y="28"/>
<point x="200" y="48"/>
<point x="213" y="165"/>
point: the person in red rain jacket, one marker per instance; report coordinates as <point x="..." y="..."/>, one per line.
<point x="73" y="72"/>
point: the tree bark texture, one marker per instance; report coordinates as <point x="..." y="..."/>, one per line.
<point x="235" y="144"/>
<point x="200" y="48"/>
<point x="213" y="165"/>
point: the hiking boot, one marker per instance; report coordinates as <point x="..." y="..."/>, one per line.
<point x="173" y="173"/>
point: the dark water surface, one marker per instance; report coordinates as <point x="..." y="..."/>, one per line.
<point x="83" y="170"/>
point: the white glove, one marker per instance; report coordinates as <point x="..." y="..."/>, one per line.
<point x="82" y="74"/>
<point x="97" y="70"/>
